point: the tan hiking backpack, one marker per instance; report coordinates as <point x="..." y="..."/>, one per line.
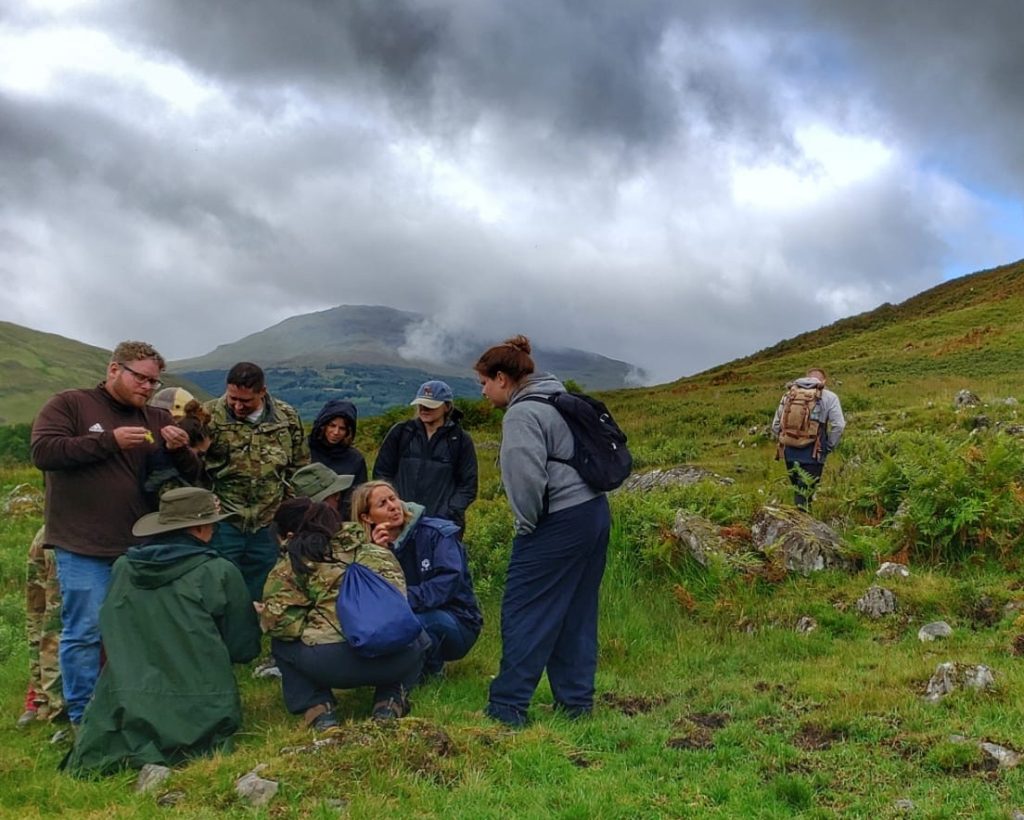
<point x="797" y="428"/>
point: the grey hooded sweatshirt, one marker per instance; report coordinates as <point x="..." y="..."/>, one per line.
<point x="531" y="434"/>
<point x="828" y="411"/>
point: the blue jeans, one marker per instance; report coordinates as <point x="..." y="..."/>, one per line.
<point x="254" y="553"/>
<point x="549" y="612"/>
<point x="83" y="586"/>
<point x="449" y="639"/>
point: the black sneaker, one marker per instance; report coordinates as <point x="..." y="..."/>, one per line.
<point x="325" y="721"/>
<point x="390" y="709"/>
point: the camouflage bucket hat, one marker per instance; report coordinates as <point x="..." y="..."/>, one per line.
<point x="317" y="481"/>
<point x="180" y="508"/>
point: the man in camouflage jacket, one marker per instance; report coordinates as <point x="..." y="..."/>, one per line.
<point x="309" y="645"/>
<point x="257" y="443"/>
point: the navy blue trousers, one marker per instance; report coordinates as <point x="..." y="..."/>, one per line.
<point x="805" y="477"/>
<point x="450" y="640"/>
<point x="309" y="673"/>
<point x="549" y="612"/>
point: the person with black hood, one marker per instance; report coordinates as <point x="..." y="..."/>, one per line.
<point x="430" y="459"/>
<point x="331" y="443"/>
<point x="175" y="619"/>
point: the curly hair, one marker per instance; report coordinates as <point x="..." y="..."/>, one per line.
<point x="129" y="351"/>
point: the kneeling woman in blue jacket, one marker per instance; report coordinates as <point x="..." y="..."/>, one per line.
<point x="438" y="583"/>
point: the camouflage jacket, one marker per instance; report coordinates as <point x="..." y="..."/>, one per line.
<point x="303" y="608"/>
<point x="249" y="466"/>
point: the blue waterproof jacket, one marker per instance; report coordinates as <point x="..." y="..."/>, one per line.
<point x="435" y="567"/>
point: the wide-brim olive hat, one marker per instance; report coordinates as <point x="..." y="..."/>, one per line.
<point x="318" y="481"/>
<point x="180" y="508"/>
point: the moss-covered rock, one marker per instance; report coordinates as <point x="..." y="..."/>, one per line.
<point x="804" y="544"/>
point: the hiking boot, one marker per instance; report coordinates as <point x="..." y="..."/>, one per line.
<point x="65" y="735"/>
<point x="321" y="717"/>
<point x="390" y="709"/>
<point x="572" y="712"/>
<point x="27" y="717"/>
<point x="507" y="715"/>
<point x="266" y="669"/>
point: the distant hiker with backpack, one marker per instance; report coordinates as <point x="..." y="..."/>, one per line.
<point x="808" y="425"/>
<point x="430" y="459"/>
<point x="549" y="609"/>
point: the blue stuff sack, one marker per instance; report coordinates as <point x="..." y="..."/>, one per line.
<point x="374" y="614"/>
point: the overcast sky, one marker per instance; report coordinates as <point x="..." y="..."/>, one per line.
<point x="674" y="184"/>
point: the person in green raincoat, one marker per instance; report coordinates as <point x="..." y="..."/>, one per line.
<point x="175" y="618"/>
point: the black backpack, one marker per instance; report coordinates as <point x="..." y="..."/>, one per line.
<point x="600" y="454"/>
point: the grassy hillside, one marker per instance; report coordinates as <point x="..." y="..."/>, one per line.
<point x="35" y="365"/>
<point x="710" y="703"/>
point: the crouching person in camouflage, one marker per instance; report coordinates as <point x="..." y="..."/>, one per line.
<point x="299" y="613"/>
<point x="44" y="699"/>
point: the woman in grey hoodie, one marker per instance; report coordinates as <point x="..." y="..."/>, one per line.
<point x="549" y="609"/>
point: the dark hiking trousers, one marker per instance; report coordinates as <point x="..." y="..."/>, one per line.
<point x="549" y="612"/>
<point x="309" y="673"/>
<point x="804" y="476"/>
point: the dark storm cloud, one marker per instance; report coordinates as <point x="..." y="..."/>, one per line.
<point x="560" y="168"/>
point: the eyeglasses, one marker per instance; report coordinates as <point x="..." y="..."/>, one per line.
<point x="141" y="378"/>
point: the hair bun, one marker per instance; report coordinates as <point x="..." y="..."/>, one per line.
<point x="519" y="342"/>
<point x="195" y="410"/>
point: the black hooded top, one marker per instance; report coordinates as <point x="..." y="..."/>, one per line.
<point x="344" y="459"/>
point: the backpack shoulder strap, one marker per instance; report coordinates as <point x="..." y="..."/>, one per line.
<point x="405" y="437"/>
<point x="550" y="399"/>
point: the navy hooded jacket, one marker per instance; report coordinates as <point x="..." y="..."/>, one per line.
<point x="436" y="570"/>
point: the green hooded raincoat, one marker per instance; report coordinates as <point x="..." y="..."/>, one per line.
<point x="176" y="617"/>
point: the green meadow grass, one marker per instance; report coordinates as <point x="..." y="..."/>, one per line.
<point x="710" y="704"/>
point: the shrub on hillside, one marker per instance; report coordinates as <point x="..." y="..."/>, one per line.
<point x="944" y="499"/>
<point x="14" y="443"/>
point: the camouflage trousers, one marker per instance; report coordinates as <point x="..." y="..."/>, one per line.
<point x="42" y="603"/>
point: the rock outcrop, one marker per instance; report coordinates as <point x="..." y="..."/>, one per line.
<point x="805" y="544"/>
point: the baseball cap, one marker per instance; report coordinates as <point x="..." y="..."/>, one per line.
<point x="433" y="394"/>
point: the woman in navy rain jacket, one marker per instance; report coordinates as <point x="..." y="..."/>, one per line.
<point x="439" y="585"/>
